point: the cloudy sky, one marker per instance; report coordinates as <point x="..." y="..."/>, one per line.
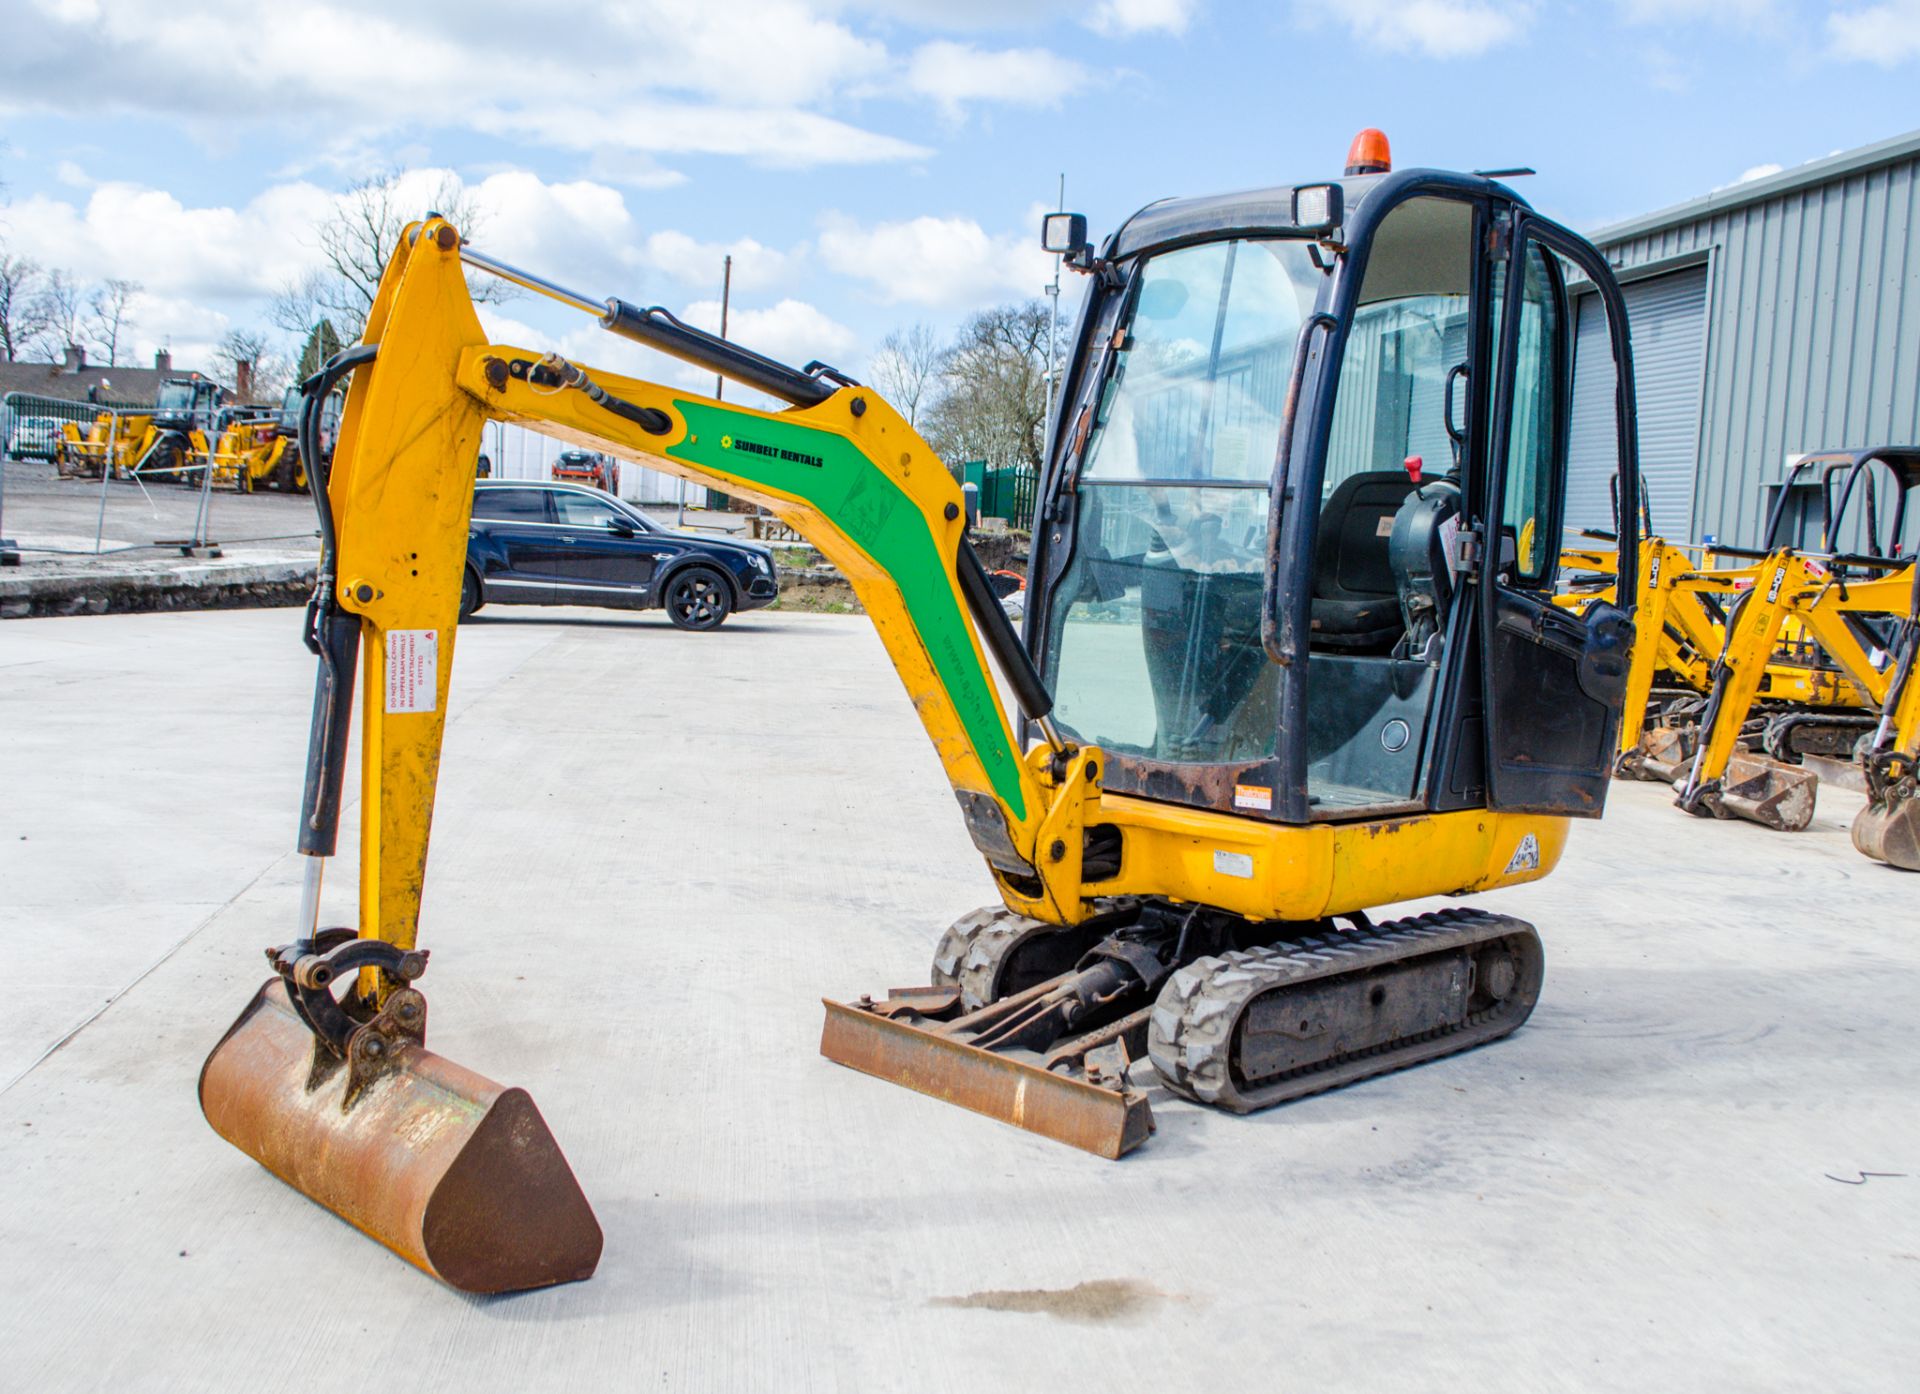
<point x="870" y="163"/>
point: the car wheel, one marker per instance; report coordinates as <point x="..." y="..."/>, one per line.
<point x="471" y="598"/>
<point x="697" y="598"/>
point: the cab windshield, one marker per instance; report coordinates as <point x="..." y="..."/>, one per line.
<point x="1154" y="647"/>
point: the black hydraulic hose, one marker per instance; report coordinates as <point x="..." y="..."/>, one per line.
<point x="314" y="392"/>
<point x="1003" y="641"/>
<point x="332" y="633"/>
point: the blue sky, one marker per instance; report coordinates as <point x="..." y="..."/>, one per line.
<point x="870" y="164"/>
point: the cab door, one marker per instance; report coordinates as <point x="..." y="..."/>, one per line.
<point x="1554" y="681"/>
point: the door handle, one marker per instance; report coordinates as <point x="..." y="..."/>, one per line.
<point x="565" y="538"/>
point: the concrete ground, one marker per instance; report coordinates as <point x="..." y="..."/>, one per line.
<point x="1698" y="1167"/>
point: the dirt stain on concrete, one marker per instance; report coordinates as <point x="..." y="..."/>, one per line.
<point x="1090" y="1303"/>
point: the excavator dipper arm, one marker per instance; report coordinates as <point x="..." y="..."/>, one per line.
<point x="339" y="1096"/>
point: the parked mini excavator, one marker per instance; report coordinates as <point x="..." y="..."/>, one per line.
<point x="1851" y="619"/>
<point x="1291" y="654"/>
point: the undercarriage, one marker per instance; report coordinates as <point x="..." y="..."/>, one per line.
<point x="1059" y="1031"/>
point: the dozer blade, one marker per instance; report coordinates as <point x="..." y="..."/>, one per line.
<point x="454" y="1173"/>
<point x="1888" y="830"/>
<point x="1767" y="792"/>
<point x="1108" y="1122"/>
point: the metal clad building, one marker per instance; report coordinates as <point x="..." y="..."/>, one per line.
<point x="1769" y="319"/>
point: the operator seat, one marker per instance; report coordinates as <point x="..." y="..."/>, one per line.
<point x="1356" y="602"/>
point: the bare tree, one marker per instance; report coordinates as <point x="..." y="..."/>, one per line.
<point x="992" y="400"/>
<point x="270" y="369"/>
<point x="23" y="306"/>
<point x="357" y="239"/>
<point x="109" y="305"/>
<point x="905" y="369"/>
<point x="296" y="306"/>
<point x="63" y="301"/>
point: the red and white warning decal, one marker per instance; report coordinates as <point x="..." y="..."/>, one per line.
<point x="413" y="670"/>
<point x="1253" y="796"/>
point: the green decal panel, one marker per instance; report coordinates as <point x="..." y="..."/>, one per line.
<point x="830" y="473"/>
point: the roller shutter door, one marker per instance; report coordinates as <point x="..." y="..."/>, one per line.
<point x="1668" y="318"/>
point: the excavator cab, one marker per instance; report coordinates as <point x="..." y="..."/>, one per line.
<point x="1299" y="536"/>
<point x="1292" y="655"/>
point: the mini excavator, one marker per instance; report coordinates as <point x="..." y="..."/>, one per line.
<point x="1291" y="654"/>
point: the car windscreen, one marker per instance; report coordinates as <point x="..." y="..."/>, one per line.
<point x="510" y="506"/>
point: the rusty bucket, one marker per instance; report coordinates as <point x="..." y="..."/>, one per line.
<point x="1888" y="830"/>
<point x="1767" y="792"/>
<point x="1663" y="754"/>
<point x="450" y="1170"/>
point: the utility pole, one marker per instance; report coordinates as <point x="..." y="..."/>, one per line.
<point x="719" y="382"/>
<point x="1053" y="325"/>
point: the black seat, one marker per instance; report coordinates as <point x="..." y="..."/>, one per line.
<point x="1356" y="602"/>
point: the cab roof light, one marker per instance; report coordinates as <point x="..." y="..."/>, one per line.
<point x="1317" y="208"/>
<point x="1369" y="153"/>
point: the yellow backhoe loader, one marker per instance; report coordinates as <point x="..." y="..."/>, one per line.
<point x="1852" y="617"/>
<point x="1277" y="672"/>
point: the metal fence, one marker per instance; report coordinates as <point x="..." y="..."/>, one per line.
<point x="83" y="479"/>
<point x="1006" y="491"/>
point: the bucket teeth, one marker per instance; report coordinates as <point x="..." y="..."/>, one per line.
<point x="455" y="1173"/>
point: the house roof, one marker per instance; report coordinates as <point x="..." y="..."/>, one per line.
<point x="1885" y="152"/>
<point x="130" y="386"/>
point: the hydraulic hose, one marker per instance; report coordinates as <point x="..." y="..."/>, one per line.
<point x="332" y="634"/>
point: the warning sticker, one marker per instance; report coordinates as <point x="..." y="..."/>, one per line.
<point x="1253" y="796"/>
<point x="1526" y="857"/>
<point x="1233" y="864"/>
<point x="413" y="670"/>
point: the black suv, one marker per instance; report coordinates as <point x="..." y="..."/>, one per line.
<point x="564" y="544"/>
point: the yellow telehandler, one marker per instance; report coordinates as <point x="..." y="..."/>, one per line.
<point x="1276" y="673"/>
<point x="156" y="442"/>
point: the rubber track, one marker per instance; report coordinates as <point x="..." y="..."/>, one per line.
<point x="973" y="948"/>
<point x="1193" y="1029"/>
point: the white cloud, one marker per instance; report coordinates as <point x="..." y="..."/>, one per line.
<point x="792" y="331"/>
<point x="755" y="267"/>
<point x="773" y="137"/>
<point x="211" y="268"/>
<point x="1885" y="34"/>
<point x="1435" y="28"/>
<point x="1118" y="18"/>
<point x="945" y="262"/>
<point x="953" y="74"/>
<point x="626" y="84"/>
<point x="144" y="234"/>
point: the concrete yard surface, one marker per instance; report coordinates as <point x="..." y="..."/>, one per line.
<point x="1697" y="1167"/>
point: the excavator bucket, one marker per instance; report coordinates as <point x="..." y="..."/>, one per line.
<point x="456" y="1174"/>
<point x="1663" y="754"/>
<point x="1888" y="830"/>
<point x="1766" y="792"/>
